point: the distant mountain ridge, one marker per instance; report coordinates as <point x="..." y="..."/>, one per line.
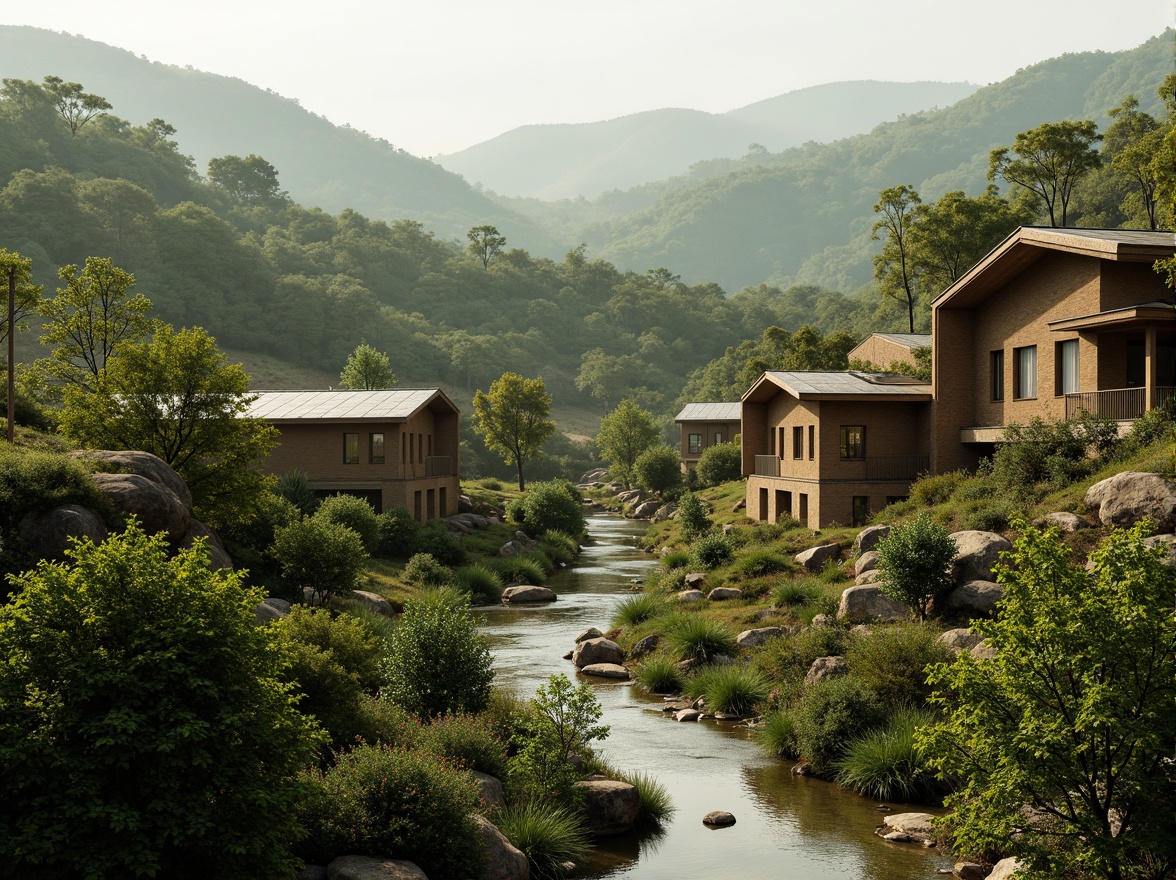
<point x="563" y="161"/>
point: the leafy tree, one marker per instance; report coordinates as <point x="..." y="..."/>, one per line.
<point x="252" y="179"/>
<point x="624" y="434"/>
<point x="720" y="463"/>
<point x="693" y="516"/>
<point x="75" y="106"/>
<point x="1132" y="142"/>
<point x="353" y="512"/>
<point x="893" y="268"/>
<point x="324" y="556"/>
<point x="486" y="243"/>
<point x="1062" y="741"/>
<point x="367" y="370"/>
<point x="915" y="561"/>
<point x="89" y="321"/>
<point x="144" y="726"/>
<point x="659" y="469"/>
<point x="554" y="506"/>
<point x="1048" y="161"/>
<point x="512" y="419"/>
<point x="177" y="398"/>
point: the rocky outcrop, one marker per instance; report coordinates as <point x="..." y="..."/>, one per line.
<point x="271" y="609"/>
<point x="977" y="553"/>
<point x="525" y="593"/>
<point x="694" y="580"/>
<point x="869" y="538"/>
<point x="1126" y="498"/>
<point x="825" y="668"/>
<point x="815" y="558"/>
<point x="598" y="650"/>
<point x="753" y="638"/>
<point x="959" y="640"/>
<point x="1005" y="869"/>
<point x="971" y="600"/>
<point x="369" y="868"/>
<point x="645" y="646"/>
<point x="969" y="871"/>
<point x="218" y="557"/>
<point x="374" y="602"/>
<point x="907" y="827"/>
<point x="868" y="561"/>
<point x="48" y="535"/>
<point x="609" y="806"/>
<point x="866" y="603"/>
<point x="157" y="507"/>
<point x="144" y="464"/>
<point x="503" y="860"/>
<point x="490" y="790"/>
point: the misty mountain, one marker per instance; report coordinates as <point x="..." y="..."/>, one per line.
<point x="568" y="160"/>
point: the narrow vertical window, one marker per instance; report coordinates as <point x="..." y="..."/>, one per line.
<point x="1025" y="372"/>
<point x="1067" y="367"/>
<point x="694" y="444"/>
<point x="377" y="449"/>
<point x="798" y="442"/>
<point x="812" y="442"/>
<point x="718" y="436"/>
<point x="350" y="448"/>
<point x="996" y="374"/>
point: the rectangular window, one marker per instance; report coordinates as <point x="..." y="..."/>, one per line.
<point x="780" y="431"/>
<point x="1066" y="360"/>
<point x="350" y="448"/>
<point x="412" y="448"/>
<point x="718" y="436"/>
<point x="798" y="442"/>
<point x="404" y="448"/>
<point x="1025" y="372"/>
<point x="812" y="442"/>
<point x="377" y="450"/>
<point x="861" y="510"/>
<point x="853" y="442"/>
<point x="996" y="374"/>
<point x="694" y="444"/>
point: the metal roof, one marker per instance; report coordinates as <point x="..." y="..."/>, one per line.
<point x="910" y="340"/>
<point x="709" y="412"/>
<point x="391" y="404"/>
<point x="801" y="383"/>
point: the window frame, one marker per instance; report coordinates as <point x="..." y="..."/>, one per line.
<point x="1020" y="374"/>
<point x="812" y="438"/>
<point x="382" y="457"/>
<point x="1060" y="349"/>
<point x="694" y="444"/>
<point x="853" y="450"/>
<point x="996" y="374"/>
<point x="350" y="447"/>
<point x="798" y="442"/>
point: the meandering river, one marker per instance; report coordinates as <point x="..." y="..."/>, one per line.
<point x="786" y="826"/>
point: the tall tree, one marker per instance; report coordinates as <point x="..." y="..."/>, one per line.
<point x="513" y="419"/>
<point x="367" y="369"/>
<point x="625" y="433"/>
<point x="893" y="269"/>
<point x="21" y="298"/>
<point x="75" y="106"/>
<point x="251" y="179"/>
<point x="1048" y="161"/>
<point x="1131" y="143"/>
<point x="486" y="243"/>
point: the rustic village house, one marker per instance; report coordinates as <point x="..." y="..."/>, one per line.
<point x="705" y="425"/>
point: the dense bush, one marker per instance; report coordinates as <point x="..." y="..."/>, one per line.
<point x="795" y="593"/>
<point x="398" y="803"/>
<point x="467" y="741"/>
<point x="551" y="506"/>
<point x="788" y="659"/>
<point x="423" y="570"/>
<point x="295" y="488"/>
<point x="396" y="533"/>
<point x="249" y="542"/>
<point x="829" y="715"/>
<point x="326" y="557"/>
<point x="915" y="561"/>
<point x="892" y="661"/>
<point x="548" y="836"/>
<point x="483" y="583"/>
<point x="720" y="463"/>
<point x="676" y="559"/>
<point x="930" y="491"/>
<point x="659" y="469"/>
<point x="711" y="551"/>
<point x="1053" y="453"/>
<point x="356" y="514"/>
<point x="761" y="561"/>
<point x="693" y="516"/>
<point x="440" y="543"/>
<point x="144" y="728"/>
<point x="695" y="637"/>
<point x="735" y="689"/>
<point x="654" y="805"/>
<point x="884" y="763"/>
<point x="437" y="660"/>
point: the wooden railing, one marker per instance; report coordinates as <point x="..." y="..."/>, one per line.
<point x="767" y="466"/>
<point x="1120" y="404"/>
<point x="896" y="467"/>
<point x="438" y="466"/>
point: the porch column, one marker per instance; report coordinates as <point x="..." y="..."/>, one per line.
<point x="1150" y="365"/>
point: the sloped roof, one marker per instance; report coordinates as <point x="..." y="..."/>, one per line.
<point x="709" y="412"/>
<point x="388" y="405"/>
<point x="848" y="384"/>
<point x="908" y="340"/>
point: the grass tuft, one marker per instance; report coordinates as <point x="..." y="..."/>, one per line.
<point x="737" y="690"/>
<point x="660" y="675"/>
<point x="547" y="835"/>
<point x="638" y="609"/>
<point x="884" y="763"/>
<point x="694" y="637"/>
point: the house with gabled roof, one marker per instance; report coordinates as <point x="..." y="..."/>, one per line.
<point x="395" y="447"/>
<point x="885" y="349"/>
<point x="705" y="425"/>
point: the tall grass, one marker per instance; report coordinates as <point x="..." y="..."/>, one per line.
<point x="761" y="561"/>
<point x="483" y="583"/>
<point x="676" y="559"/>
<point x="777" y="736"/>
<point x="547" y="835"/>
<point x="559" y="547"/>
<point x="795" y="593"/>
<point x="883" y="762"/>
<point x="694" y="637"/>
<point x="654" y="805"/>
<point x="736" y="690"/>
<point x="659" y="675"/>
<point x="638" y="609"/>
<point x="519" y="569"/>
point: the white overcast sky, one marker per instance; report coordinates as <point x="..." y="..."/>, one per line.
<point x="435" y="76"/>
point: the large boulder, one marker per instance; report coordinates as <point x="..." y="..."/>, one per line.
<point x="970" y="600"/>
<point x="868" y="561"/>
<point x="600" y="650"/>
<point x="609" y="806"/>
<point x="271" y="609"/>
<point x="154" y="468"/>
<point x="1005" y="869"/>
<point x="606" y="670"/>
<point x="647" y="509"/>
<point x="825" y="668"/>
<point x="525" y="593"/>
<point x="917" y="826"/>
<point x="815" y="558"/>
<point x="374" y="602"/>
<point x="503" y="860"/>
<point x="158" y="508"/>
<point x="48" y="535"/>
<point x="959" y="640"/>
<point x="866" y="603"/>
<point x="490" y="789"/>
<point x="1066" y="521"/>
<point x="1126" y="498"/>
<point x="977" y="553"/>
<point x="869" y="538"/>
<point x="218" y="557"/>
<point x="718" y="594"/>
<point x="370" y="868"/>
<point x="691" y="596"/>
<point x="753" y="638"/>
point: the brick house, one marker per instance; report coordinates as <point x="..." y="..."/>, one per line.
<point x="832" y="447"/>
<point x="396" y="447"/>
<point x="1051" y="322"/>
<point x="884" y="349"/>
<point x="705" y="424"/>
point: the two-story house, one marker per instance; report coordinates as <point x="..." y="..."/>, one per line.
<point x="704" y="425"/>
<point x="832" y="447"/>
<point x="396" y="448"/>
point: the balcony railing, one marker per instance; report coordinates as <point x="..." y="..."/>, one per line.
<point x="896" y="467"/>
<point x="767" y="466"/>
<point x="1120" y="404"/>
<point x="438" y="466"/>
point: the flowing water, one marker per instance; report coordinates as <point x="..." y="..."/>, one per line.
<point x="786" y="826"/>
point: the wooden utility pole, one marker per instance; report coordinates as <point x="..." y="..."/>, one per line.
<point x="11" y="354"/>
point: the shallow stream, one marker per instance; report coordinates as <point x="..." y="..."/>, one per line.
<point x="786" y="826"/>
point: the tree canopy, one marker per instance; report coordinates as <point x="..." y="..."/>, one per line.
<point x="625" y="433"/>
<point x="1048" y="161"/>
<point x="367" y="370"/>
<point x="513" y="419"/>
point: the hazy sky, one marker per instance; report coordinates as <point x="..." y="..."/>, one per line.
<point x="434" y="76"/>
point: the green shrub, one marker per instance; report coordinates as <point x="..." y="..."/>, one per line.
<point x="466" y="741"/>
<point x="395" y="803"/>
<point x="795" y="593"/>
<point x="694" y="637"/>
<point x="711" y="551"/>
<point x="676" y="559"/>
<point x="519" y="568"/>
<point x="248" y="542"/>
<point x="693" y="516"/>
<point x="482" y="583"/>
<point x="832" y="573"/>
<point x="492" y="484"/>
<point x="437" y="660"/>
<point x="547" y="835"/>
<point x="1154" y="426"/>
<point x="760" y="562"/>
<point x="382" y="722"/>
<point x="915" y="561"/>
<point x="355" y="513"/>
<point x="883" y="763"/>
<point x="637" y="609"/>
<point x="654" y="805"/>
<point x="828" y="715"/>
<point x="552" y="506"/>
<point x="660" y="675"/>
<point x="788" y="659"/>
<point x="144" y="726"/>
<point x="346" y="638"/>
<point x="777" y="737"/>
<point x="396" y="533"/>
<point x="559" y="547"/>
<point x="1055" y="453"/>
<point x="516" y="511"/>
<point x="295" y="488"/>
<point x="423" y="570"/>
<point x="659" y="469"/>
<point x="720" y="463"/>
<point x="892" y="661"/>
<point x="735" y="689"/>
<point x="991" y="516"/>
<point x="932" y="491"/>
<point x="326" y="557"/>
<point x="440" y="543"/>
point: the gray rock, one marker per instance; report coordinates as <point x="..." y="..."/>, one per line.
<point x="525" y="593"/>
<point x="718" y="819"/>
<point x="368" y="868"/>
<point x="971" y="600"/>
<point x="969" y="871"/>
<point x="1126" y="498"/>
<point x="606" y="670"/>
<point x="646" y="509"/>
<point x="218" y="557"/>
<point x="824" y="620"/>
<point x="869" y="538"/>
<point x="598" y="650"/>
<point x="824" y="668"/>
<point x="977" y="553"/>
<point x="917" y="825"/>
<point x="152" y="467"/>
<point x="609" y="806"/>
<point x="1066" y="522"/>
<point x="645" y="646"/>
<point x="271" y="609"/>
<point x="695" y="579"/>
<point x="983" y="651"/>
<point x="48" y="535"/>
<point x="687" y="715"/>
<point x="158" y="508"/>
<point x="503" y="860"/>
<point x="868" y="561"/>
<point x="490" y="789"/>
<point x="872" y="576"/>
<point x="959" y="640"/>
<point x="590" y="633"/>
<point x="374" y="602"/>
<point x="1005" y="869"/>
<point x="868" y="604"/>
<point x="1168" y="543"/>
<point x="665" y="512"/>
<point x="814" y="559"/>
<point x="718" y="594"/>
<point x="753" y="638"/>
<point x="691" y="596"/>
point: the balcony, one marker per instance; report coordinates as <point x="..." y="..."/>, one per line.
<point x="767" y="466"/>
<point x="896" y="468"/>
<point x="1120" y="404"/>
<point x="438" y="466"/>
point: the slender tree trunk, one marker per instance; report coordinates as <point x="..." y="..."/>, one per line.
<point x="11" y="354"/>
<point x="522" y="488"/>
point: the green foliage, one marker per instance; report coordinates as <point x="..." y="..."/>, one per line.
<point x="638" y="609"/>
<point x="343" y="636"/>
<point x="146" y="729"/>
<point x="437" y="660"/>
<point x="483" y="583"/>
<point x="829" y="715"/>
<point x="787" y="660"/>
<point x="1154" y="426"/>
<point x="549" y="836"/>
<point x="367" y="370"/>
<point x="295" y="488"/>
<point x="884" y="763"/>
<point x="777" y="737"/>
<point x="894" y="269"/>
<point x="396" y="533"/>
<point x="793" y="593"/>
<point x="440" y="543"/>
<point x="626" y="433"/>
<point x="249" y="544"/>
<point x="892" y="661"/>
<point x="486" y="243"/>
<point x="711" y="551"/>
<point x="658" y="469"/>
<point x="720" y="463"/>
<point x="1049" y="161"/>
<point x="27" y="298"/>
<point x="423" y="570"/>
<point x="733" y="688"/>
<point x="760" y="562"/>
<point x="694" y="637"/>
<point x="251" y="179"/>
<point x="324" y="556"/>
<point x="554" y="506"/>
<point x="469" y="742"/>
<point x="915" y="561"/>
<point x="676" y="559"/>
<point x="660" y="675"/>
<point x="519" y="568"/>
<point x="1052" y="453"/>
<point x="654" y="805"/>
<point x="559" y="547"/>
<point x="693" y="516"/>
<point x="353" y="512"/>
<point x="513" y="419"/>
<point x="930" y="491"/>
<point x="1074" y="714"/>
<point x="394" y="803"/>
